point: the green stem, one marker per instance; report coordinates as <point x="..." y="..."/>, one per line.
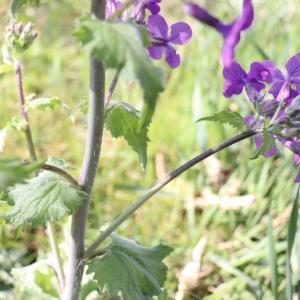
<point x="32" y="151"/>
<point x="75" y="266"/>
<point x="159" y="185"/>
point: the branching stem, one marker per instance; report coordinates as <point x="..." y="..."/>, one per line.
<point x="159" y="185"/>
<point x="30" y="144"/>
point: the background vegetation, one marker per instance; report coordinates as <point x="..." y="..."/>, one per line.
<point x="226" y="204"/>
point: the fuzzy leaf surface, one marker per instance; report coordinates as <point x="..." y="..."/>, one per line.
<point x="121" y="46"/>
<point x="14" y="171"/>
<point x="47" y="197"/>
<point x="226" y="117"/>
<point x="132" y="270"/>
<point x="16" y="5"/>
<point x="122" y="120"/>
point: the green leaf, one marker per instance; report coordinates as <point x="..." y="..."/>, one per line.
<point x="43" y="103"/>
<point x="122" y="120"/>
<point x="30" y="285"/>
<point x="16" y="5"/>
<point x="47" y="197"/>
<point x="291" y="235"/>
<point x="268" y="143"/>
<point x="14" y="171"/>
<point x="226" y="117"/>
<point x="127" y="268"/>
<point x="273" y="260"/>
<point x="122" y="47"/>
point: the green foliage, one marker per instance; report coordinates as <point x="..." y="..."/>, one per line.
<point x="291" y="235"/>
<point x="122" y="120"/>
<point x="14" y="171"/>
<point x="43" y="103"/>
<point x="226" y="117"/>
<point x="273" y="260"/>
<point x="268" y="143"/>
<point x="135" y="271"/>
<point x="16" y="5"/>
<point x="47" y="197"/>
<point x="122" y="47"/>
<point x="35" y="282"/>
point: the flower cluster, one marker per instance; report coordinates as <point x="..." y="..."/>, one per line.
<point x="163" y="37"/>
<point x="275" y="97"/>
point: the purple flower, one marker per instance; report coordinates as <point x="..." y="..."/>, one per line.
<point x="231" y="32"/>
<point x="163" y="39"/>
<point x="287" y="86"/>
<point x="139" y="11"/>
<point x="236" y="79"/>
<point x="111" y="7"/>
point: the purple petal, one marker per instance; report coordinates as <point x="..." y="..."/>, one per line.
<point x="172" y="58"/>
<point x="235" y="80"/>
<point x="249" y="119"/>
<point x="158" y="27"/>
<point x="154" y="8"/>
<point x="259" y="140"/>
<point x="297" y="159"/>
<point x="234" y="34"/>
<point x="203" y="16"/>
<point x="181" y="33"/>
<point x="271" y="152"/>
<point x="262" y="71"/>
<point x="156" y="52"/>
<point x="293" y="66"/>
<point x="298" y="178"/>
<point x="279" y="80"/>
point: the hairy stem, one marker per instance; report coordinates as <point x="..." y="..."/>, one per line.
<point x="159" y="185"/>
<point x="89" y="167"/>
<point x="32" y="152"/>
<point x="61" y="173"/>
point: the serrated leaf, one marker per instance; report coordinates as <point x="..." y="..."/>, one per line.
<point x="127" y="268"/>
<point x="3" y="134"/>
<point x="226" y="117"/>
<point x="47" y="197"/>
<point x="43" y="103"/>
<point x="27" y="285"/>
<point x="122" y="120"/>
<point x="17" y="4"/>
<point x="14" y="171"/>
<point x="52" y="103"/>
<point x="122" y="47"/>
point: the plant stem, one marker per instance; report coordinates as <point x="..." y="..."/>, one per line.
<point x="89" y="167"/>
<point x="159" y="185"/>
<point x="112" y="88"/>
<point x="31" y="148"/>
<point x="62" y="173"/>
<point x="55" y="250"/>
<point x="24" y="114"/>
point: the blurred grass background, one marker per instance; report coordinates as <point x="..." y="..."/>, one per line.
<point x="226" y="203"/>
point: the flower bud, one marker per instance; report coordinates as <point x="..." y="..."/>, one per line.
<point x="19" y="37"/>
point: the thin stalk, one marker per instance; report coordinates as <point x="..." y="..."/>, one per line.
<point x="160" y="184"/>
<point x="112" y="88"/>
<point x="55" y="250"/>
<point x="61" y="173"/>
<point x="75" y="265"/>
<point x="32" y="152"/>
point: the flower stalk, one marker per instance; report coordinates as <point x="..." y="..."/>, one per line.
<point x="30" y="144"/>
<point x="75" y="266"/>
<point x="159" y="185"/>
